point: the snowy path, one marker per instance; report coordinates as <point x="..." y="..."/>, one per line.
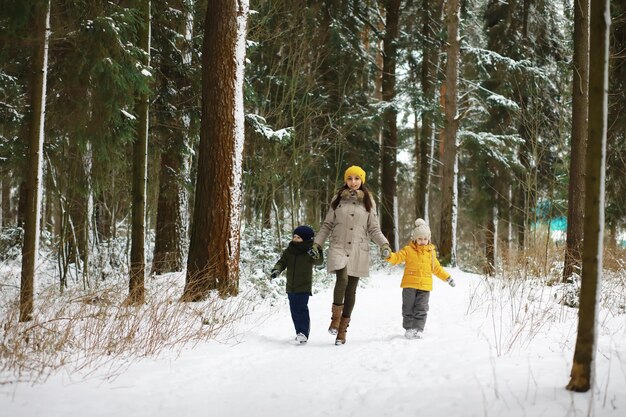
<point x="453" y="371"/>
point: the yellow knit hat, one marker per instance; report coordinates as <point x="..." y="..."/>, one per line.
<point x="354" y="171"/>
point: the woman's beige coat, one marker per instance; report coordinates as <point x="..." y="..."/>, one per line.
<point x="349" y="228"/>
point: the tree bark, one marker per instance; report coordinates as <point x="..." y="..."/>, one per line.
<point x="616" y="134"/>
<point x="490" y="242"/>
<point x="431" y="15"/>
<point x="76" y="190"/>
<point x="170" y="224"/>
<point x="449" y="186"/>
<point x="389" y="210"/>
<point x="576" y="189"/>
<point x="213" y="261"/>
<point x="330" y="80"/>
<point x="171" y="221"/>
<point x="520" y="211"/>
<point x="103" y="205"/>
<point x="136" y="287"/>
<point x="7" y="215"/>
<point x="504" y="207"/>
<point x="39" y="71"/>
<point x="582" y="373"/>
<point x="22" y="198"/>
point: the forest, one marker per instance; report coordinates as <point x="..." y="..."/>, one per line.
<point x="140" y="138"/>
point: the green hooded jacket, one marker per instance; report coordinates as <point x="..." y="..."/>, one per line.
<point x="299" y="266"/>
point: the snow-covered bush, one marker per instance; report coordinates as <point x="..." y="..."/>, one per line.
<point x="568" y="293"/>
<point x="260" y="250"/>
<point x="11" y="243"/>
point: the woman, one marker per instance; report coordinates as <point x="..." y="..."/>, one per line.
<point x="351" y="222"/>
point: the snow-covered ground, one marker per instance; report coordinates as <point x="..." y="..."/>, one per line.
<point x="485" y="353"/>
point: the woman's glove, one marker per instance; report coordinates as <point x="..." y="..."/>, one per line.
<point x="315" y="251"/>
<point x="451" y="282"/>
<point x="385" y="251"/>
<point x="274" y="273"/>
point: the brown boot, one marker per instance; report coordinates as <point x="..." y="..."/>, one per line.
<point x="341" y="332"/>
<point x="334" y="319"/>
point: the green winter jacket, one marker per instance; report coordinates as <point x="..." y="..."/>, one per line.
<point x="299" y="265"/>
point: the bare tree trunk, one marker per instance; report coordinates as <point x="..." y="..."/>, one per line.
<point x="616" y="133"/>
<point x="266" y="215"/>
<point x="490" y="242"/>
<point x="47" y="198"/>
<point x="330" y="80"/>
<point x="213" y="261"/>
<point x="102" y="210"/>
<point x="7" y="215"/>
<point x="170" y="230"/>
<point x="582" y="373"/>
<point x="39" y="71"/>
<point x="76" y="191"/>
<point x="21" y="203"/>
<point x="580" y="104"/>
<point x="88" y="182"/>
<point x="525" y="14"/>
<point x="520" y="209"/>
<point x="171" y="222"/>
<point x="136" y="286"/>
<point x="504" y="207"/>
<point x="389" y="210"/>
<point x="431" y="15"/>
<point x="449" y="185"/>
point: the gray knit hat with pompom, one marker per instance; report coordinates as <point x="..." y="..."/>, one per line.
<point x="421" y="230"/>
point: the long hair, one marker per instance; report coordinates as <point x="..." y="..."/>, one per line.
<point x="367" y="197"/>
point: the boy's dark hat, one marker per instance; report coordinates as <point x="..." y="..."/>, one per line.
<point x="305" y="232"/>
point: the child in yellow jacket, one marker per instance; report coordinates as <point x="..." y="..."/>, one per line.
<point x="417" y="282"/>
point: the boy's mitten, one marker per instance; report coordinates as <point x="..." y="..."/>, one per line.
<point x="274" y="273"/>
<point x="451" y="282"/>
<point x="385" y="251"/>
<point x="314" y="251"/>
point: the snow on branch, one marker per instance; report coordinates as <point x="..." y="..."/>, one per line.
<point x="490" y="59"/>
<point x="499" y="147"/>
<point x="128" y="115"/>
<point x="261" y="127"/>
<point x="502" y="101"/>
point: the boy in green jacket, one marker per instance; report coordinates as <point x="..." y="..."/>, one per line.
<point x="299" y="261"/>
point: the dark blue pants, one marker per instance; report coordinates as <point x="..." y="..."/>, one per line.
<point x="299" y="306"/>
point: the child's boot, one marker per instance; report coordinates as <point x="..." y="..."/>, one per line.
<point x="301" y="338"/>
<point x="341" y="332"/>
<point x="335" y="318"/>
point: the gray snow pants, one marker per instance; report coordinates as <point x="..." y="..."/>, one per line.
<point x="414" y="308"/>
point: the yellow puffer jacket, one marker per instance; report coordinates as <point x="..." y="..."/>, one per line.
<point x="421" y="263"/>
